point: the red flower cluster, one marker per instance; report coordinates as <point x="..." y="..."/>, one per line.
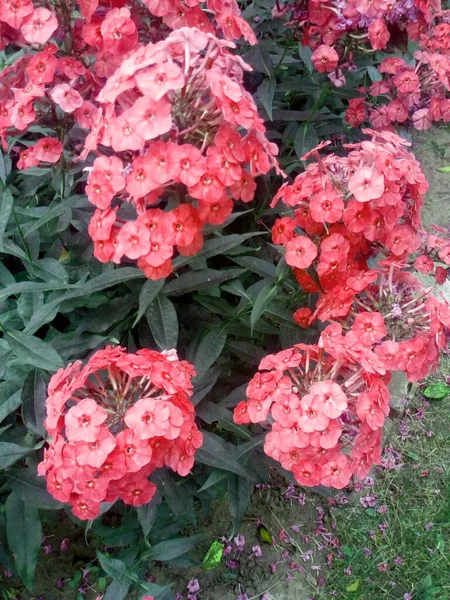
<point x="328" y="21"/>
<point x="113" y="422"/>
<point x="169" y="124"/>
<point x="351" y="209"/>
<point x="171" y="114"/>
<point x="321" y="408"/>
<point x="416" y="94"/>
<point x="394" y="324"/>
<point x="329" y="402"/>
<point x="434" y="254"/>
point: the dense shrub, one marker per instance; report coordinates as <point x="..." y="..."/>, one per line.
<point x="160" y="349"/>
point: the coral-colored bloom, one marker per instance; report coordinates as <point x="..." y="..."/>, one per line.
<point x="48" y="150"/>
<point x="369" y="327"/>
<point x="83" y="421"/>
<point x="39" y="26"/>
<point x="325" y="59"/>
<point x="300" y="252"/>
<point x="366" y="184"/>
<point x="67" y="98"/>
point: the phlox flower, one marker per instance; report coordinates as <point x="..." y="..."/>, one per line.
<point x="48" y="150"/>
<point x="330" y="395"/>
<point x="136" y="489"/>
<point x="39" y="26"/>
<point x="134" y="239"/>
<point x="83" y="421"/>
<point x="312" y="417"/>
<point x="300" y="252"/>
<point x="325" y="59"/>
<point x="337" y="472"/>
<point x="67" y="98"/>
<point x="366" y="184"/>
<point x="369" y="327"/>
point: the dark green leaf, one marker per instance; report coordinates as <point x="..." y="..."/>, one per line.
<point x="263" y="299"/>
<point x="110" y="278"/>
<point x="260" y="59"/>
<point x="116" y="569"/>
<point x="31" y="488"/>
<point x="266" y="92"/>
<point x="34" y="351"/>
<point x="24" y="532"/>
<point x="34" y="394"/>
<point x="163" y="322"/>
<point x="5" y="213"/>
<point x="256" y="265"/>
<point x="9" y="404"/>
<point x="305" y="140"/>
<point x="221" y="244"/>
<point x="215" y="452"/>
<point x="246" y="351"/>
<point x="11" y="453"/>
<point x="195" y="280"/>
<point x="147" y="513"/>
<point x="239" y="494"/>
<point x="209" y="350"/>
<point x="171" y="549"/>
<point x="149" y="291"/>
<point x="179" y="500"/>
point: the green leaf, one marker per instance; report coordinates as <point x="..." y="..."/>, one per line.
<point x="217" y="245"/>
<point x="51" y="270"/>
<point x="11" y="453"/>
<point x="413" y="456"/>
<point x="305" y="140"/>
<point x="147" y="513"/>
<point x="353" y="587"/>
<point x="443" y="169"/>
<point x="305" y="54"/>
<point x="266" y="92"/>
<point x="256" y="265"/>
<point x="34" y="351"/>
<point x="116" y="569"/>
<point x="171" y="549"/>
<point x="239" y="494"/>
<point x="262" y="300"/>
<point x="34" y="394"/>
<point x="437" y="391"/>
<point x="110" y="278"/>
<point x="260" y="59"/>
<point x="24" y="533"/>
<point x="5" y="213"/>
<point x="213" y="556"/>
<point x="195" y="280"/>
<point x="246" y="351"/>
<point x="180" y="502"/>
<point x="11" y="402"/>
<point x="31" y="488"/>
<point x="149" y="291"/>
<point x="209" y="350"/>
<point x="218" y="453"/>
<point x="264" y="534"/>
<point x="163" y="322"/>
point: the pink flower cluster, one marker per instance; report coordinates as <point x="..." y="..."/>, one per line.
<point x="411" y="94"/>
<point x="328" y="402"/>
<point x="351" y="208"/>
<point x="434" y="255"/>
<point x="172" y="115"/>
<point x="318" y="408"/>
<point x="161" y="117"/>
<point x="329" y="21"/>
<point x="113" y="422"/>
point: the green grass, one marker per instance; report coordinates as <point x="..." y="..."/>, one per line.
<point x="417" y="495"/>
